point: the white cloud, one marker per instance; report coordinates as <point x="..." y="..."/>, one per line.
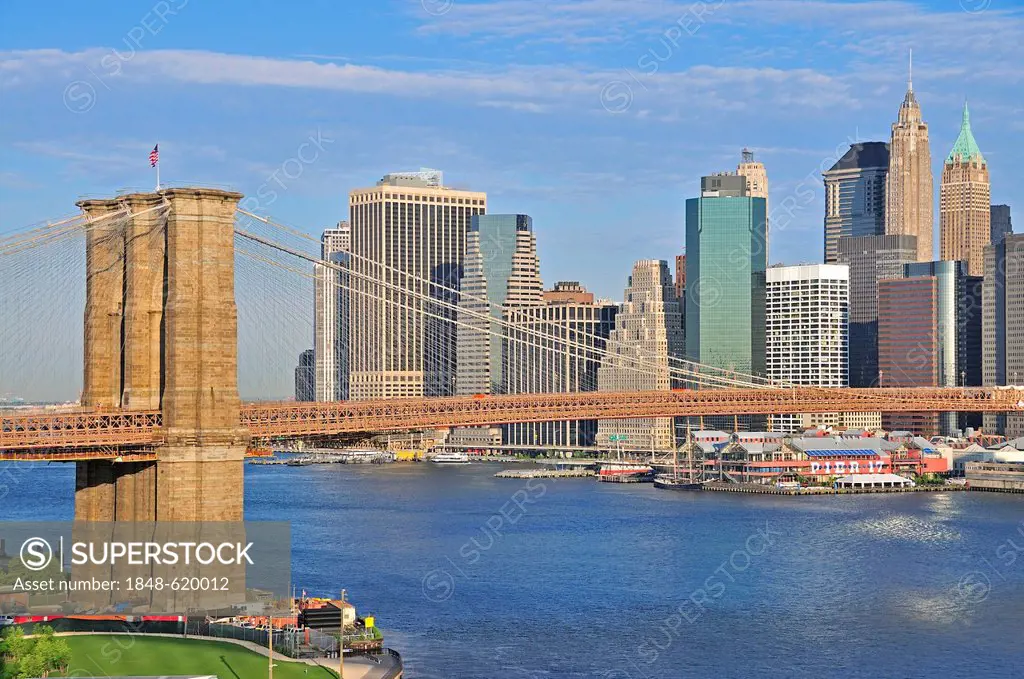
<point x="860" y="35"/>
<point x="582" y="21"/>
<point x="526" y="106"/>
<point x="525" y="88"/>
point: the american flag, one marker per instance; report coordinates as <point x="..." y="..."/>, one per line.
<point x="154" y="156"/>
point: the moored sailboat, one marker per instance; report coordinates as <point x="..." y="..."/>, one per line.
<point x="675" y="480"/>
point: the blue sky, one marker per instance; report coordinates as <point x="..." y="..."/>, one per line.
<point x="596" y="117"/>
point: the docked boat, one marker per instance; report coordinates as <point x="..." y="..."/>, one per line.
<point x="450" y="458"/>
<point x="625" y="472"/>
<point x="677" y="480"/>
<point x="673" y="482"/>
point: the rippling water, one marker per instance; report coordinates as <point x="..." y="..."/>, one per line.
<point x="476" y="577"/>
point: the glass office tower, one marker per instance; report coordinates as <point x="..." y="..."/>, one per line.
<point x="726" y="260"/>
<point x="501" y="271"/>
<point x="855" y="195"/>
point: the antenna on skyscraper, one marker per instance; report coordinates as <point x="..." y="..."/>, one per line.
<point x="910" y="72"/>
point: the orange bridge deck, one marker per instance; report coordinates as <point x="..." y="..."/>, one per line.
<point x="113" y="433"/>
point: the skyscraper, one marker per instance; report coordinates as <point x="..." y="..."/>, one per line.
<point x="680" y="279"/>
<point x="331" y="315"/>
<point x="806" y="332"/>
<point x="1001" y="224"/>
<point x="648" y="334"/>
<point x="958" y="335"/>
<point x="871" y="259"/>
<point x="909" y="194"/>
<point x="755" y="174"/>
<point x="929" y="329"/>
<point x="757" y="186"/>
<point x="908" y="345"/>
<point x="855" y="195"/>
<point x="1002" y="320"/>
<point x="725" y="265"/>
<point x="965" y="202"/>
<point x="680" y="285"/>
<point x="408" y="245"/>
<point x="556" y="347"/>
<point x="502" y="270"/>
<point x="305" y="376"/>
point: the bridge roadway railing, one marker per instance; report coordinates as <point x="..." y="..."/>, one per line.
<point x="267" y="420"/>
<point x="77" y="429"/>
<point x="122" y="429"/>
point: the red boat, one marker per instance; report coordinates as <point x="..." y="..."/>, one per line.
<point x="625" y="472"/>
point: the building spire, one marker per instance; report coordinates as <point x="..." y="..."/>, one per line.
<point x="966" y="148"/>
<point x="909" y="111"/>
<point x="910" y="72"/>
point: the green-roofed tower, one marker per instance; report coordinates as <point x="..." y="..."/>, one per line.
<point x="965" y="148"/>
<point x="964" y="202"/>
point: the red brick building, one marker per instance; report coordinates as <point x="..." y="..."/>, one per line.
<point x="908" y="345"/>
<point x="680" y="279"/>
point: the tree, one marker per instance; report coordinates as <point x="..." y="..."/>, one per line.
<point x="50" y="653"/>
<point x="35" y="656"/>
<point x="31" y="666"/>
<point x="14" y="645"/>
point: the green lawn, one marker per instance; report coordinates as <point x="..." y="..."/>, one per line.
<point x="121" y="655"/>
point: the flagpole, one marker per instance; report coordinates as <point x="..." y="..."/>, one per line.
<point x="157" y="170"/>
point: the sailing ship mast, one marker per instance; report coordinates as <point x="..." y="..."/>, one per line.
<point x="689" y="450"/>
<point x="675" y="462"/>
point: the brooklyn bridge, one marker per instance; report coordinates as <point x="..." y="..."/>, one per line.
<point x="159" y="431"/>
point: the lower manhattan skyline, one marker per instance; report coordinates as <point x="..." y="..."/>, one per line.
<point x="598" y="132"/>
<point x="510" y="339"/>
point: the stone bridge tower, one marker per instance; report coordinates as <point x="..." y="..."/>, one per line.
<point x="161" y="333"/>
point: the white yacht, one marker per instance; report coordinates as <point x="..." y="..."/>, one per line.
<point x="450" y="458"/>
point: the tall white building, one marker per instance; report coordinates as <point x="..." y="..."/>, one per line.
<point x="648" y="331"/>
<point x="331" y="316"/>
<point x="408" y="247"/>
<point x="502" y="270"/>
<point x="807" y="310"/>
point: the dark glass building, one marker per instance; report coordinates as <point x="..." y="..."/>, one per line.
<point x="855" y="195"/>
<point x="305" y="377"/>
<point x="1000" y="222"/>
<point x="871" y="259"/>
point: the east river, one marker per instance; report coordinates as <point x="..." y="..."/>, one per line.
<point x="473" y="577"/>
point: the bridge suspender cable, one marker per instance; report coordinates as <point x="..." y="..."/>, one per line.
<point x="692" y="376"/>
<point x="694" y="372"/>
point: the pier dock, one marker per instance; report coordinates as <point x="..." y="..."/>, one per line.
<point x="545" y="474"/>
<point x="761" y="489"/>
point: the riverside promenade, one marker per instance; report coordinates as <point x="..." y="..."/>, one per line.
<point x="387" y="665"/>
